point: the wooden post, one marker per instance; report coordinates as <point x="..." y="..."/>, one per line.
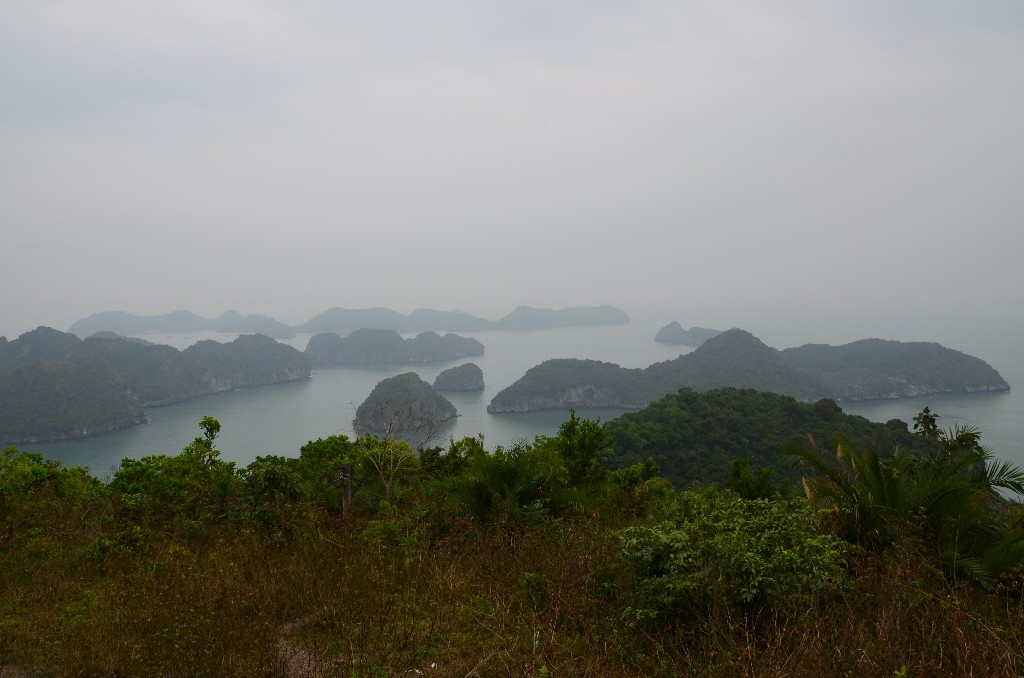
<point x="346" y="485"/>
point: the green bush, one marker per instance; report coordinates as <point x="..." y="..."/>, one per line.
<point x="722" y="549"/>
<point x="190" y="488"/>
<point x="24" y="475"/>
<point x="513" y="483"/>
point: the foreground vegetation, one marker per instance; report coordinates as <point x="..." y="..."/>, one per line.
<point x="528" y="560"/>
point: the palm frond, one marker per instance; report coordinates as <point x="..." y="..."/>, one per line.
<point x="1004" y="475"/>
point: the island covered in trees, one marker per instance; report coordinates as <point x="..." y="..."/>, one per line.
<point x="403" y="405"/>
<point x="377" y="347"/>
<point x="55" y="386"/>
<point x="465" y="377"/>
<point x="869" y="369"/>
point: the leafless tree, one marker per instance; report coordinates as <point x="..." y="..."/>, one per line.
<point x="398" y="435"/>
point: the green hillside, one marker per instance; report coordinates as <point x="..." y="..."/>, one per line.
<point x="694" y="437"/>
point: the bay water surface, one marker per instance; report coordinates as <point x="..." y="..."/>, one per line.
<point x="279" y="419"/>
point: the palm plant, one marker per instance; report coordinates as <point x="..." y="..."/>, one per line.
<point x="508" y="482"/>
<point x="873" y="495"/>
<point x="948" y="494"/>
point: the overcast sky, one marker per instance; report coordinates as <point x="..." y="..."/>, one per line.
<point x="711" y="162"/>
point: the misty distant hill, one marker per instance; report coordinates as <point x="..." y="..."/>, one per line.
<point x="56" y="386"/>
<point x="864" y="370"/>
<point x="528" y="318"/>
<point x="343" y="321"/>
<point x="673" y="333"/>
<point x="382" y="347"/>
<point x="448" y="321"/>
<point x="232" y="322"/>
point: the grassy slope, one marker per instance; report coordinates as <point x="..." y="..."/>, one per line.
<point x="241" y="603"/>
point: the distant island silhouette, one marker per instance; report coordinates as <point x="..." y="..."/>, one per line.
<point x="343" y="321"/>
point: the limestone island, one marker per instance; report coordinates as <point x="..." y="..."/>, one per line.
<point x="229" y="322"/>
<point x="673" y="333"/>
<point x="56" y="386"/>
<point x="465" y="377"/>
<point x="343" y="321"/>
<point x="869" y="369"/>
<point x="403" y="406"/>
<point x="381" y="347"/>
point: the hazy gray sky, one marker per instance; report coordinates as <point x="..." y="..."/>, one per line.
<point x="717" y="160"/>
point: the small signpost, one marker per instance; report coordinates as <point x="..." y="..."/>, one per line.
<point x="345" y="478"/>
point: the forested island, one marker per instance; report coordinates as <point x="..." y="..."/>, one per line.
<point x="381" y="347"/>
<point x="863" y="370"/>
<point x="465" y="377"/>
<point x="343" y="321"/>
<point x="403" y="405"/>
<point x="55" y="386"/>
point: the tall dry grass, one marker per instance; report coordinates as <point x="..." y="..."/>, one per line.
<point x="83" y="593"/>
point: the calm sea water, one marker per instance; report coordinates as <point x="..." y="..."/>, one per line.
<point x="279" y="419"/>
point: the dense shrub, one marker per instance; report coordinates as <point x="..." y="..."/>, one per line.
<point x="721" y="549"/>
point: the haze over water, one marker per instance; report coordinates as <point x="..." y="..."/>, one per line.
<point x="750" y="163"/>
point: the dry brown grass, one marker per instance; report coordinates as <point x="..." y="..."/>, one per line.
<point x="484" y="600"/>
